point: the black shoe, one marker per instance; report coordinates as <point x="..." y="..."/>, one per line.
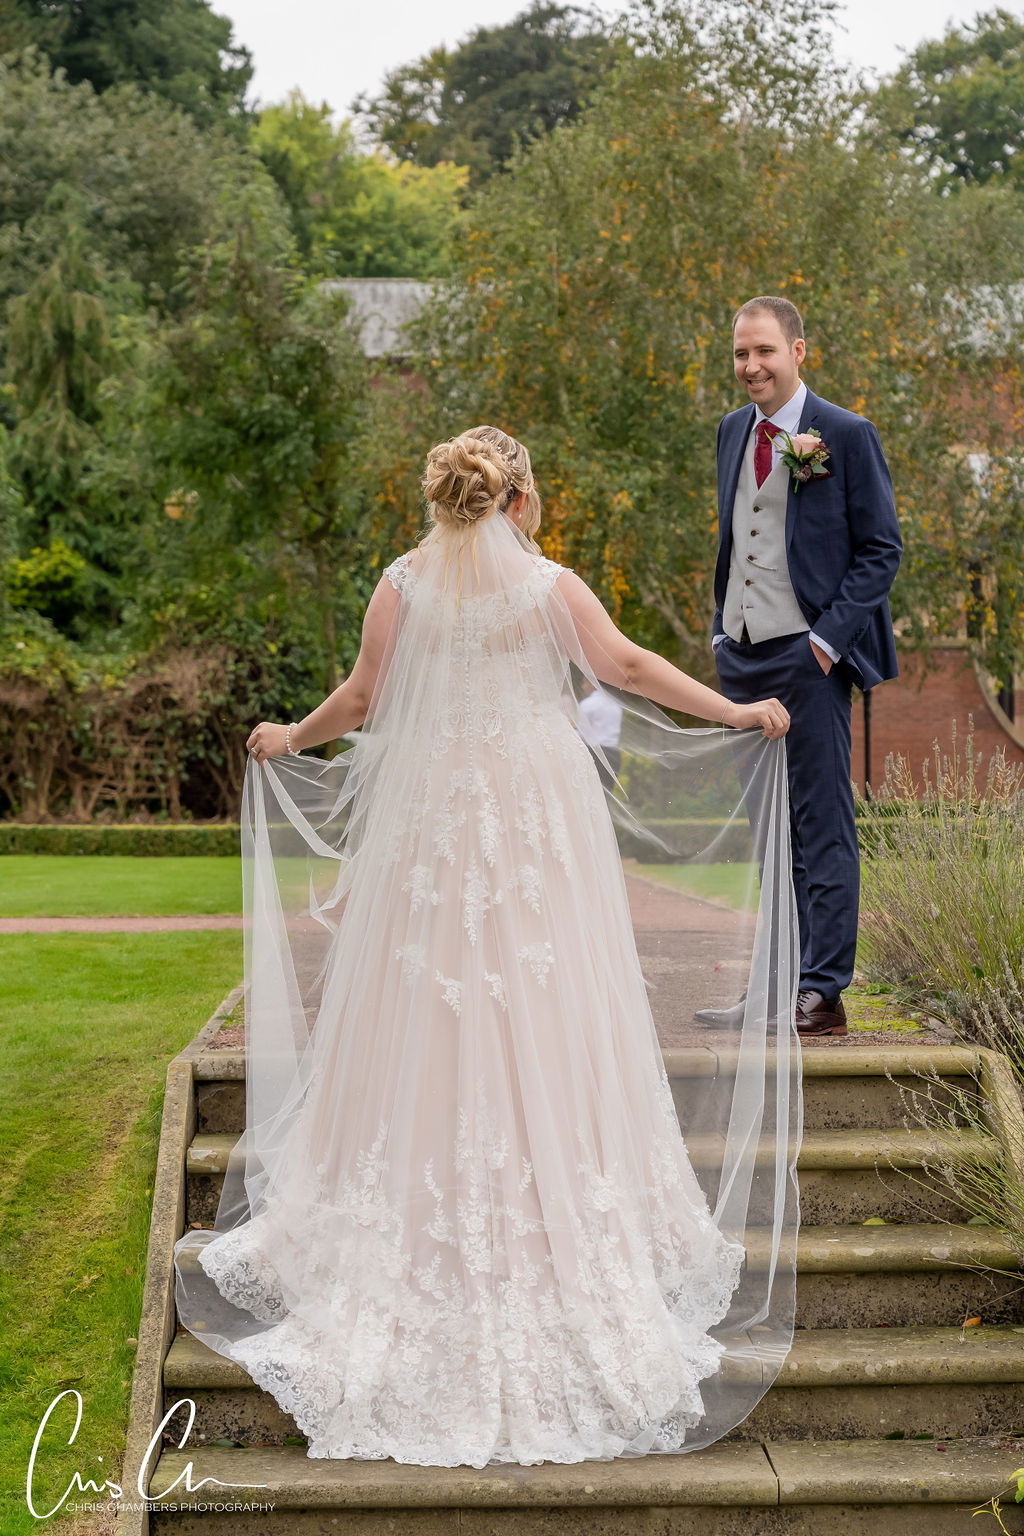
<point x="723" y="1018"/>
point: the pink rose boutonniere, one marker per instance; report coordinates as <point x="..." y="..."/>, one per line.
<point x="804" y="456"/>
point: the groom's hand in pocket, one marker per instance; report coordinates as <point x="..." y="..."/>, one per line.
<point x="825" y="661"/>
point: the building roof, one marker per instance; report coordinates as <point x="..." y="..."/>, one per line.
<point x="383" y="307"/>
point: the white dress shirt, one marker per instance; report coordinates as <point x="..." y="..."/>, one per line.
<point x="600" y="719"/>
<point x="787" y="418"/>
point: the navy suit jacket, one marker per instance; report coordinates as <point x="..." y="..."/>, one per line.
<point x="842" y="536"/>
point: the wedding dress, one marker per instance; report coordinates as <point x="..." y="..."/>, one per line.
<point x="463" y="1225"/>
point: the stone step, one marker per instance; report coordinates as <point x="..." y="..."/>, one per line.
<point x="836" y="1383"/>
<point x="854" y="1276"/>
<point x="703" y="1061"/>
<point x="845" y="1087"/>
<point x="808" y="1488"/>
<point x="845" y="1175"/>
<point x="928" y="1273"/>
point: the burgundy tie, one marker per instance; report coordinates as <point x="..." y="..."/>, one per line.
<point x="766" y="430"/>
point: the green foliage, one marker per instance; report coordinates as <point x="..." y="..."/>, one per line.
<point x="503" y="86"/>
<point x="58" y="355"/>
<point x="356" y="214"/>
<point x="956" y="102"/>
<point x="944" y="883"/>
<point x="153" y="841"/>
<point x="599" y="278"/>
<point x="401" y="222"/>
<point x="161" y="733"/>
<point x="251" y="407"/>
<point x="48" y="579"/>
<point x="190" y="415"/>
<point x="13" y="514"/>
<point x="146" y="176"/>
<point x="179" y="49"/>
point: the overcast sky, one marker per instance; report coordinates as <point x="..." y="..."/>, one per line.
<point x="333" y="50"/>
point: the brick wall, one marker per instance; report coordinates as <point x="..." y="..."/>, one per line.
<point x="915" y="709"/>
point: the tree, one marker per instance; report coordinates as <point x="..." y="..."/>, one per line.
<point x="59" y="352"/>
<point x="178" y="49"/>
<point x="147" y="178"/>
<point x="101" y="197"/>
<point x="251" y="408"/>
<point x="356" y="214"/>
<point x="958" y="101"/>
<point x="597" y="284"/>
<point x="502" y="86"/>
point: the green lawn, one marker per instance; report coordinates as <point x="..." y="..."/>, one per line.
<point x="88" y="1026"/>
<point x="56" y="885"/>
<point x="733" y="884"/>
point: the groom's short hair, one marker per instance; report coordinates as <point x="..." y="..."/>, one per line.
<point x="785" y="312"/>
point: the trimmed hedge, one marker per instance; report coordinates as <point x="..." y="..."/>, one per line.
<point x="691" y="835"/>
<point x="181" y="840"/>
<point x="159" y="841"/>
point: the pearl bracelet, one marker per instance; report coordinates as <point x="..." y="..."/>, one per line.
<point x="288" y="740"/>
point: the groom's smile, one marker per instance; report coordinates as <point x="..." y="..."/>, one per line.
<point x="765" y="361"/>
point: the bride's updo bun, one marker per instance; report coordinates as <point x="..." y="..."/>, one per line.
<point x="477" y="473"/>
<point x="463" y="479"/>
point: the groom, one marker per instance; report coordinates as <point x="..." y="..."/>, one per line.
<point x="801" y="586"/>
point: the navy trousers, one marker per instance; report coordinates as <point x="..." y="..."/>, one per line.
<point x="826" y="859"/>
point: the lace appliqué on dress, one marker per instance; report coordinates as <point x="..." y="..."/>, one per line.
<point x="400" y="572"/>
<point x="577" y="1362"/>
<point x="489" y="609"/>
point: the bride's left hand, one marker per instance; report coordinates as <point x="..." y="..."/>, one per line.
<point x="267" y="740"/>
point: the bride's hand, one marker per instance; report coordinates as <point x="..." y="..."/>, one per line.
<point x="769" y="714"/>
<point x="267" y="740"/>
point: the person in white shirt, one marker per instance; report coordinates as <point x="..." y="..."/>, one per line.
<point x="600" y="724"/>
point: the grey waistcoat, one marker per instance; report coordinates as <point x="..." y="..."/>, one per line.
<point x="759" y="590"/>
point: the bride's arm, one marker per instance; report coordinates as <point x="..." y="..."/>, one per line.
<point x="346" y="707"/>
<point x="620" y="661"/>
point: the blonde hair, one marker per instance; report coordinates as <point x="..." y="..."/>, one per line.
<point x="476" y="473"/>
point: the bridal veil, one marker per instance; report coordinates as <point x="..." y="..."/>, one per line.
<point x="472" y="1218"/>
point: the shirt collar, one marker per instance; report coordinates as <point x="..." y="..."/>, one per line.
<point x="787" y="416"/>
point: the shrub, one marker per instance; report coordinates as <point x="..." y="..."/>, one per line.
<point x="944" y="886"/>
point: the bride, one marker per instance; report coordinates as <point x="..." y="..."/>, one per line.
<point x="467" y="1221"/>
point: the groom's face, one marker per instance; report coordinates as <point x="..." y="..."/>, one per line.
<point x="766" y="363"/>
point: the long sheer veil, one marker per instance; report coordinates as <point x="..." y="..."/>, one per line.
<point x="453" y="1078"/>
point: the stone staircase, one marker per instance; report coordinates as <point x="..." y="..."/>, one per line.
<point x="880" y="1356"/>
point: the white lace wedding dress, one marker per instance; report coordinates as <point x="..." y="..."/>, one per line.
<point x="462" y="1226"/>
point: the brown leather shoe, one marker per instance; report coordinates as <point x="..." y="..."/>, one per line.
<point x="816" y="1015"/>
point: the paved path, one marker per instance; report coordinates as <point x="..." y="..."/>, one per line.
<point x="693" y="953"/>
<point x="186" y="923"/>
<point x="654" y="907"/>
